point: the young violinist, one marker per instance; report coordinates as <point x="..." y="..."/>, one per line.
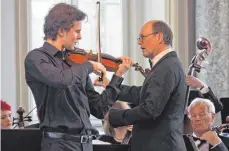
<point x="202" y="115"/>
<point x="63" y="91"/>
<point x="6" y="119"/>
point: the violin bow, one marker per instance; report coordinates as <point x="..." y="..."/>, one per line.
<point x="98" y="38"/>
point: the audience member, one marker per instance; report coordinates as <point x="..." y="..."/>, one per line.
<point x="6" y="119"/>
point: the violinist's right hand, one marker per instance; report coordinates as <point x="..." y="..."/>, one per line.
<point x="98" y="67"/>
<point x="126" y="64"/>
<point x="103" y="83"/>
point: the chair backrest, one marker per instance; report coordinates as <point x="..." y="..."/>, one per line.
<point x="225" y="111"/>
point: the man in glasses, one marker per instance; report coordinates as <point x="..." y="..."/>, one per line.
<point x="202" y="115"/>
<point x="159" y="103"/>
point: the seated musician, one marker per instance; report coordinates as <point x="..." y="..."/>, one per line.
<point x="202" y="115"/>
<point x="199" y="90"/>
<point x="115" y="135"/>
<point x="6" y="120"/>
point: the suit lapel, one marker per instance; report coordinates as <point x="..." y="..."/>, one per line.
<point x="168" y="55"/>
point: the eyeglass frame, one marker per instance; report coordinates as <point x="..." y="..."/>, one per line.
<point x="141" y="37"/>
<point x="199" y="115"/>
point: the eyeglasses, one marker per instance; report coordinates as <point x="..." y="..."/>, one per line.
<point x="200" y="116"/>
<point x="141" y="37"/>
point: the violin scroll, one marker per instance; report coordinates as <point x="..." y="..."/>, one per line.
<point x="21" y="119"/>
<point x="218" y="129"/>
<point x="142" y="71"/>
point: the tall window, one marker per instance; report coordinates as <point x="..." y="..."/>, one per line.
<point x="111" y="32"/>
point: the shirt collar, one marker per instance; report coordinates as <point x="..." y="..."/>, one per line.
<point x="160" y="55"/>
<point x="50" y="49"/>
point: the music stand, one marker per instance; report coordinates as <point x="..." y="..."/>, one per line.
<point x="30" y="140"/>
<point x="21" y="139"/>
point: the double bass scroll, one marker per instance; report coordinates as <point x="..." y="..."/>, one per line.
<point x="202" y="44"/>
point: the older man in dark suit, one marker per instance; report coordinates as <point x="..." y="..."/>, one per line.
<point x="199" y="90"/>
<point x="202" y="115"/>
<point x="160" y="101"/>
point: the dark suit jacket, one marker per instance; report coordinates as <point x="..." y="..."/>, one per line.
<point x="220" y="147"/>
<point x="194" y="93"/>
<point x="159" y="112"/>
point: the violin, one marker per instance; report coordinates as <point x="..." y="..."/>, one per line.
<point x="109" y="62"/>
<point x="19" y="121"/>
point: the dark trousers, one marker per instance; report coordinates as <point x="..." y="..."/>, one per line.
<point x="61" y="144"/>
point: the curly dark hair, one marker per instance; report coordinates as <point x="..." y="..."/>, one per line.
<point x="62" y="16"/>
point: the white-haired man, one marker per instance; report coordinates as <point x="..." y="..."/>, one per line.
<point x="202" y="115"/>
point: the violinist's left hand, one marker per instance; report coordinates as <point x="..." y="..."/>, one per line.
<point x="126" y="64"/>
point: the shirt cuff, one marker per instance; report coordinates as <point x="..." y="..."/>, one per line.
<point x="116" y="81"/>
<point x="115" y="117"/>
<point x="217" y="144"/>
<point x="205" y="89"/>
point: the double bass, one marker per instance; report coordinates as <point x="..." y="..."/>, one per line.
<point x="195" y="66"/>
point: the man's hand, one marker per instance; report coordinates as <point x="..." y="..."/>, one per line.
<point x="211" y="137"/>
<point x="103" y="83"/>
<point x="126" y="64"/>
<point x="106" y="117"/>
<point x="98" y="67"/>
<point x="194" y="82"/>
<point x="129" y="127"/>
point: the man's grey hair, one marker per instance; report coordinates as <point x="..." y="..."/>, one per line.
<point x="197" y="101"/>
<point x="165" y="29"/>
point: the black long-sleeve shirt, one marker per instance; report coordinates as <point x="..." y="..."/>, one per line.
<point x="63" y="91"/>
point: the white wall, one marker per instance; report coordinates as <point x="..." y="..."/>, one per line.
<point x="8" y="53"/>
<point x="135" y="14"/>
<point x="153" y="10"/>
